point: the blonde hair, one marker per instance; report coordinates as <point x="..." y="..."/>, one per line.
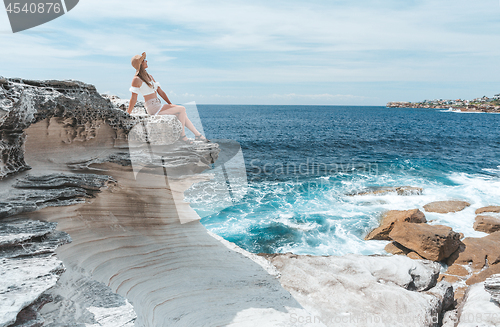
<point x="143" y="74"/>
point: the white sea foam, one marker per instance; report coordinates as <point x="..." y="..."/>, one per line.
<point x="322" y="219"/>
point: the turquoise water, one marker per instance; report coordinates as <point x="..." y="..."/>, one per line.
<point x="303" y="162"/>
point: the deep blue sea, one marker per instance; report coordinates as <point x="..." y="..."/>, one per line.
<point x="301" y="163"/>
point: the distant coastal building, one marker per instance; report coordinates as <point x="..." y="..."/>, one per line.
<point x="483" y="104"/>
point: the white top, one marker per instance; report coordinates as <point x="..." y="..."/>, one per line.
<point x="145" y="89"/>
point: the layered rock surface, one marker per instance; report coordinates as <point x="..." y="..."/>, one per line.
<point x="139" y="254"/>
<point x="29" y="267"/>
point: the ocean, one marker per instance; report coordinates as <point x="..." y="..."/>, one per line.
<point x="303" y="163"/>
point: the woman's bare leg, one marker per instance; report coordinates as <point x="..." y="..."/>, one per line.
<point x="179" y="111"/>
<point x="191" y="127"/>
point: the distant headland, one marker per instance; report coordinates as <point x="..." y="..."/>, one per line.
<point x="483" y="104"/>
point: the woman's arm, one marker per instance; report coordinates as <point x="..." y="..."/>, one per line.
<point x="163" y="95"/>
<point x="133" y="100"/>
<point x="136" y="82"/>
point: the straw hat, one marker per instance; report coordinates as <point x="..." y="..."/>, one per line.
<point x="137" y="61"/>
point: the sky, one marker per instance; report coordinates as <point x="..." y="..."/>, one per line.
<point x="336" y="52"/>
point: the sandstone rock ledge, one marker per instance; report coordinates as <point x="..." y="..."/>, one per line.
<point x="138" y="256"/>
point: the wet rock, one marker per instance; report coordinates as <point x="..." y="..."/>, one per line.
<point x="392" y="217"/>
<point x="432" y="242"/>
<point x="487" y="224"/>
<point x="446" y="206"/>
<point x="488" y="209"/>
<point x="399" y="190"/>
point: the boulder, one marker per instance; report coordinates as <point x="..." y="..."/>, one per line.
<point x="399" y="190"/>
<point x="487" y="224"/>
<point x="432" y="242"/>
<point x="477" y="252"/>
<point x="368" y="290"/>
<point x="446" y="206"/>
<point x="392" y="217"/>
<point x="488" y="209"/>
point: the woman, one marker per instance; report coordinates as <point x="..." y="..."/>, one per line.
<point x="146" y="85"/>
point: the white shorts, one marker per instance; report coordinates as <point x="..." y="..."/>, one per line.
<point x="153" y="106"/>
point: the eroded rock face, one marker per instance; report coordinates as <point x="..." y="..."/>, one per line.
<point x="390" y="218"/>
<point x="31" y="193"/>
<point x="446" y="206"/>
<point x="74" y="104"/>
<point x="487" y="224"/>
<point x="368" y="290"/>
<point x="432" y="242"/>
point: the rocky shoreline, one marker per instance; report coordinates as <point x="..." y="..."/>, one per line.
<point x="477" y="107"/>
<point x="466" y="261"/>
<point x="94" y="232"/>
